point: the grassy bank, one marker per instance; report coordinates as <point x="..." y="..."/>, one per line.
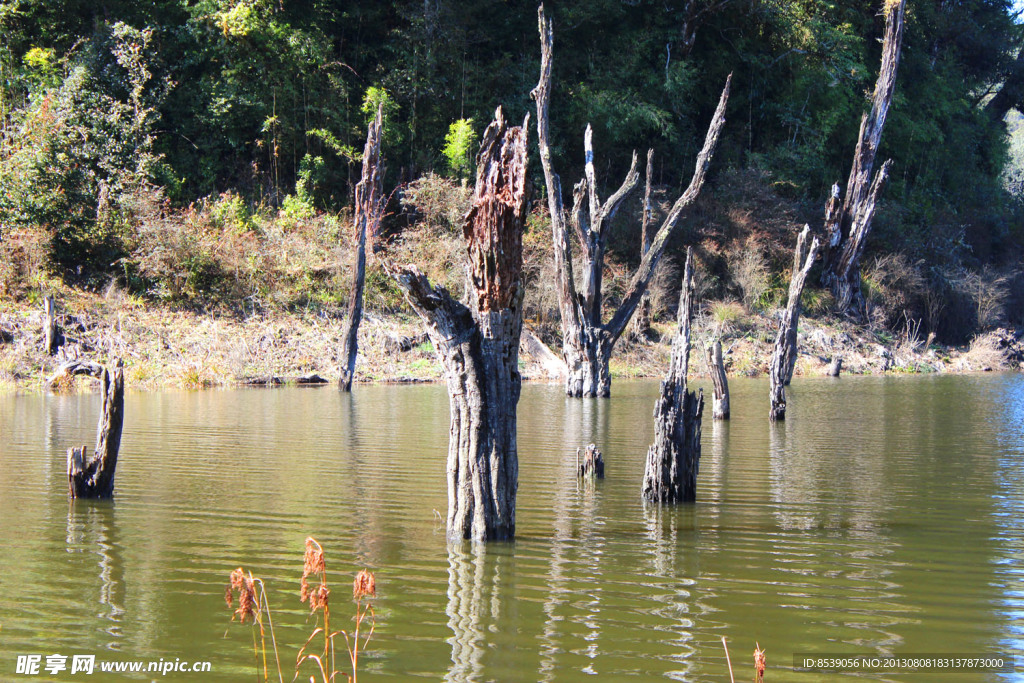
<point x="163" y="347"/>
<point x="225" y="293"/>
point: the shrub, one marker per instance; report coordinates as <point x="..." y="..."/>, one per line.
<point x="459" y="146"/>
<point x="749" y="272"/>
<point x="440" y="204"/>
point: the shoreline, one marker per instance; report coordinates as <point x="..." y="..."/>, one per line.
<point x="164" y="348"/>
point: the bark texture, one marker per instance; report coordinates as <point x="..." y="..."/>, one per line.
<point x="780" y="371"/>
<point x="720" y="395"/>
<point x="368" y="209"/>
<point x="848" y="222"/>
<point x="670" y="475"/>
<point x="836" y="366"/>
<point x="478" y="345"/>
<point x="586" y="342"/>
<point x="94" y="478"/>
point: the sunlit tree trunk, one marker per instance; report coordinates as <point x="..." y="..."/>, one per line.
<point x="478" y="344"/>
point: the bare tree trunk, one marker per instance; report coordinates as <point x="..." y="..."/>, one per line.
<point x="368" y="209"/>
<point x="784" y="357"/>
<point x="670" y="475"/>
<point x="591" y="464"/>
<point x="478" y="345"/>
<point x="720" y="396"/>
<point x="847" y="226"/>
<point x="587" y="343"/>
<point x="642" y="318"/>
<point x="51" y="334"/>
<point x="95" y="478"/>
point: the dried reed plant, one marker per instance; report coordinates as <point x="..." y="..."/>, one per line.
<point x="252" y="604"/>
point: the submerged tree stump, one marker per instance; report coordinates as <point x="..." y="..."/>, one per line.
<point x="672" y="461"/>
<point x="478" y="344"/>
<point x="94" y="478"/>
<point x="720" y="395"/>
<point x="780" y="372"/>
<point x="591" y="465"/>
<point x="836" y="366"/>
<point x="368" y="210"/>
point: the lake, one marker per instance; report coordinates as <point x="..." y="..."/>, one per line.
<point x="885" y="516"/>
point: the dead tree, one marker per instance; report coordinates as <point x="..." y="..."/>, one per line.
<point x="51" y="333"/>
<point x="94" y="478"/>
<point x="716" y="368"/>
<point x="642" y="319"/>
<point x="586" y="342"/>
<point x="848" y="222"/>
<point x="784" y="356"/>
<point x="368" y="209"/>
<point x="672" y="461"/>
<point x="478" y="344"/>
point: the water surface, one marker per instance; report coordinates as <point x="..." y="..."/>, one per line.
<point x="885" y="516"/>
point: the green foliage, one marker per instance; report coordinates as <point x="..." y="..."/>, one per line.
<point x="80" y="158"/>
<point x="460" y="147"/>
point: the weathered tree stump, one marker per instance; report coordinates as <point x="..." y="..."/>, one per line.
<point x="720" y="395"/>
<point x="94" y="478"/>
<point x="847" y="224"/>
<point x="51" y="332"/>
<point x="783" y="361"/>
<point x="836" y="366"/>
<point x="368" y="211"/>
<point x="478" y="345"/>
<point x="587" y="342"/>
<point x="673" y="460"/>
<point x="591" y="465"/>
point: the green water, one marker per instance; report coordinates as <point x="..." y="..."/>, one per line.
<point x="884" y="517"/>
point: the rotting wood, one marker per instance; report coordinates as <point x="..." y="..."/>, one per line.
<point x="673" y="460"/>
<point x="587" y="342"/>
<point x="368" y="211"/>
<point x="848" y="222"/>
<point x="478" y="344"/>
<point x="77" y="366"/>
<point x="836" y="366"/>
<point x="591" y="463"/>
<point x="94" y="478"/>
<point x="716" y="368"/>
<point x="783" y="362"/>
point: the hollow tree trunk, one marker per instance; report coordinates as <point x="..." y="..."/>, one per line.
<point x="670" y="475"/>
<point x="784" y="356"/>
<point x="587" y="343"/>
<point x="720" y="396"/>
<point x="848" y="225"/>
<point x="478" y="345"/>
<point x="94" y="478"/>
<point x="368" y="207"/>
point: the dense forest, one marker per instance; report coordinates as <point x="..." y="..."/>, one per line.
<point x="127" y="124"/>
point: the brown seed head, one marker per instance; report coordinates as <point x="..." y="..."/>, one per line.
<point x="364" y="585"/>
<point x="246" y="587"/>
<point x="318" y="597"/>
<point x="760" y="662"/>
